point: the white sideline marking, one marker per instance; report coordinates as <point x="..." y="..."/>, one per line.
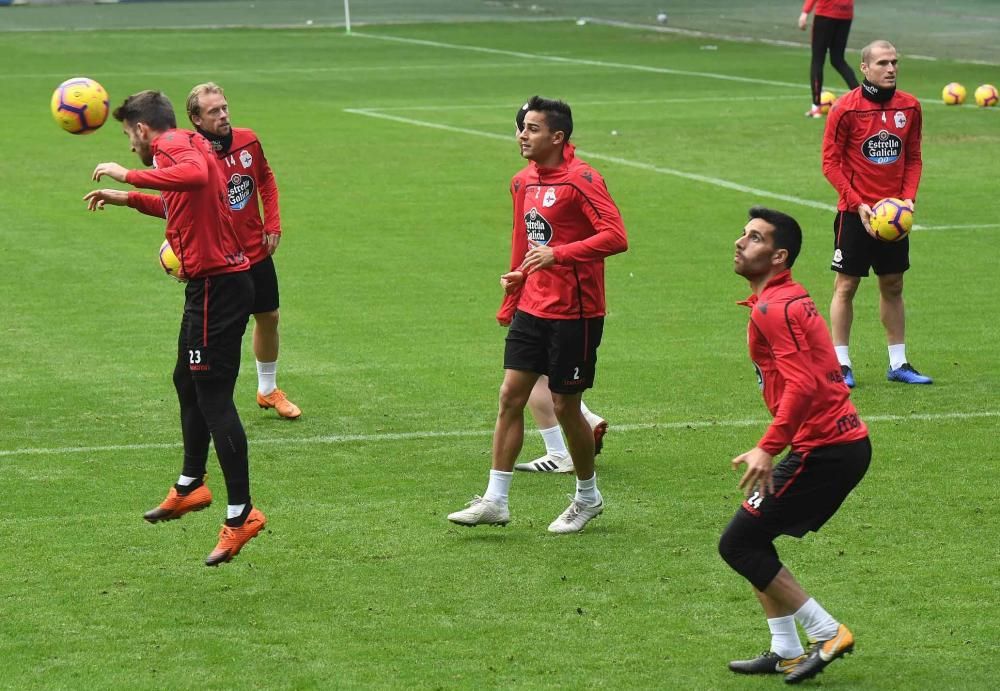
<point x="620" y="65"/>
<point x="717" y="182"/>
<point x="582" y="61"/>
<point x="643" y="101"/>
<point x="406" y="436"/>
<point x="288" y="70"/>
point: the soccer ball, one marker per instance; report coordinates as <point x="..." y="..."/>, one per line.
<point x="891" y="219"/>
<point x="986" y="96"/>
<point x="168" y="260"/>
<point x="826" y="100"/>
<point x="80" y="105"/>
<point x="953" y="94"/>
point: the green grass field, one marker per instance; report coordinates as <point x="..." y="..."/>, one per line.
<point x="393" y="150"/>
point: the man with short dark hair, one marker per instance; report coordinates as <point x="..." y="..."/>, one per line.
<point x="565" y="224"/>
<point x="871" y="150"/>
<point x="218" y="297"/>
<point x="804" y="390"/>
<point x="248" y="176"/>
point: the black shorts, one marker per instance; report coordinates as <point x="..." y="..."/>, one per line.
<point x="855" y="251"/>
<point x="265" y="286"/>
<point x="216" y="311"/>
<point x="809" y="487"/>
<point x="563" y="349"/>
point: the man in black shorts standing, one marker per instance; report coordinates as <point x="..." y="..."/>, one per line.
<point x="565" y="224"/>
<point x="803" y="388"/>
<point x="831" y="27"/>
<point x="218" y="297"/>
<point x="248" y="176"/>
<point x="871" y="150"/>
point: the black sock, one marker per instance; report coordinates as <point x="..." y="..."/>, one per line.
<point x="241" y="519"/>
<point x="187" y="489"/>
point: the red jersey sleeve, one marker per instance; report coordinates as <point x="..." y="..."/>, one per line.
<point x="518" y="248"/>
<point x="807" y="6"/>
<point x="599" y="208"/>
<point x="914" y="165"/>
<point x="269" y="196"/>
<point x="187" y="171"/>
<point x="149" y="204"/>
<point x="789" y="344"/>
<point x="834" y="150"/>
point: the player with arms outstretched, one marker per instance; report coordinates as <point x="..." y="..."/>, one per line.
<point x="218" y="297"/>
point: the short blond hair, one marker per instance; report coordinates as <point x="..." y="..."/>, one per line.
<point x="193" y="105"/>
<point x="866" y="52"/>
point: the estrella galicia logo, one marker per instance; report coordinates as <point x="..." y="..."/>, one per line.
<point x="882" y="148"/>
<point x="241" y="190"/>
<point x="539" y="230"/>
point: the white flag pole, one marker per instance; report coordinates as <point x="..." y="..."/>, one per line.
<point x="347" y="15"/>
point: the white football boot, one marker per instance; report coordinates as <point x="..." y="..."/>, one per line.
<point x="573" y="519"/>
<point x="549" y="463"/>
<point x="481" y="511"/>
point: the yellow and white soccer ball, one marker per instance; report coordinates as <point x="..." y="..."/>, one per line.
<point x="80" y="105"/>
<point x="986" y="96"/>
<point x="953" y="94"/>
<point x="891" y="219"/>
<point x="169" y="261"/>
<point x="826" y="100"/>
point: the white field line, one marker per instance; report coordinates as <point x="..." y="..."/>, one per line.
<point x="583" y="61"/>
<point x="696" y="177"/>
<point x="716" y="182"/>
<point x="619" y="65"/>
<point x="576" y="104"/>
<point x="288" y="70"/>
<point x="408" y="436"/>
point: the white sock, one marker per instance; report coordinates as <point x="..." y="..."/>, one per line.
<point x="897" y="355"/>
<point x="785" y="637"/>
<point x="586" y="491"/>
<point x="234" y="510"/>
<point x="554" y="444"/>
<point x="184" y="480"/>
<point x="592" y="419"/>
<point x="267" y="374"/>
<point x="499" y="487"/>
<point x="842" y="357"/>
<point x="816" y="621"/>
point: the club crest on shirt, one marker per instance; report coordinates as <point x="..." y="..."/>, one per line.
<point x="900" y="119"/>
<point x="246" y="160"/>
<point x="882" y="148"/>
<point x="550" y="198"/>
<point x="241" y="190"/>
<point x="539" y="230"/>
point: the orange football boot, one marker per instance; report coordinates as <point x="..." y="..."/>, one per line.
<point x="231" y="540"/>
<point x="176" y="504"/>
<point x="277" y="400"/>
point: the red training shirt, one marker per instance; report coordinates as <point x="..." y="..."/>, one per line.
<point x="569" y="209"/>
<point x="798" y="371"/>
<point x="872" y="150"/>
<point x="247" y="175"/>
<point x="834" y="9"/>
<point x="194" y="202"/>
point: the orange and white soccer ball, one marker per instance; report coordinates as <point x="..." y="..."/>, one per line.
<point x="80" y="105"/>
<point x="891" y="219"/>
<point x="953" y="94"/>
<point x="986" y="96"/>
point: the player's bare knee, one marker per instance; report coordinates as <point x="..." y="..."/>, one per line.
<point x="267" y="320"/>
<point x="891" y="286"/>
<point x="844" y="286"/>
